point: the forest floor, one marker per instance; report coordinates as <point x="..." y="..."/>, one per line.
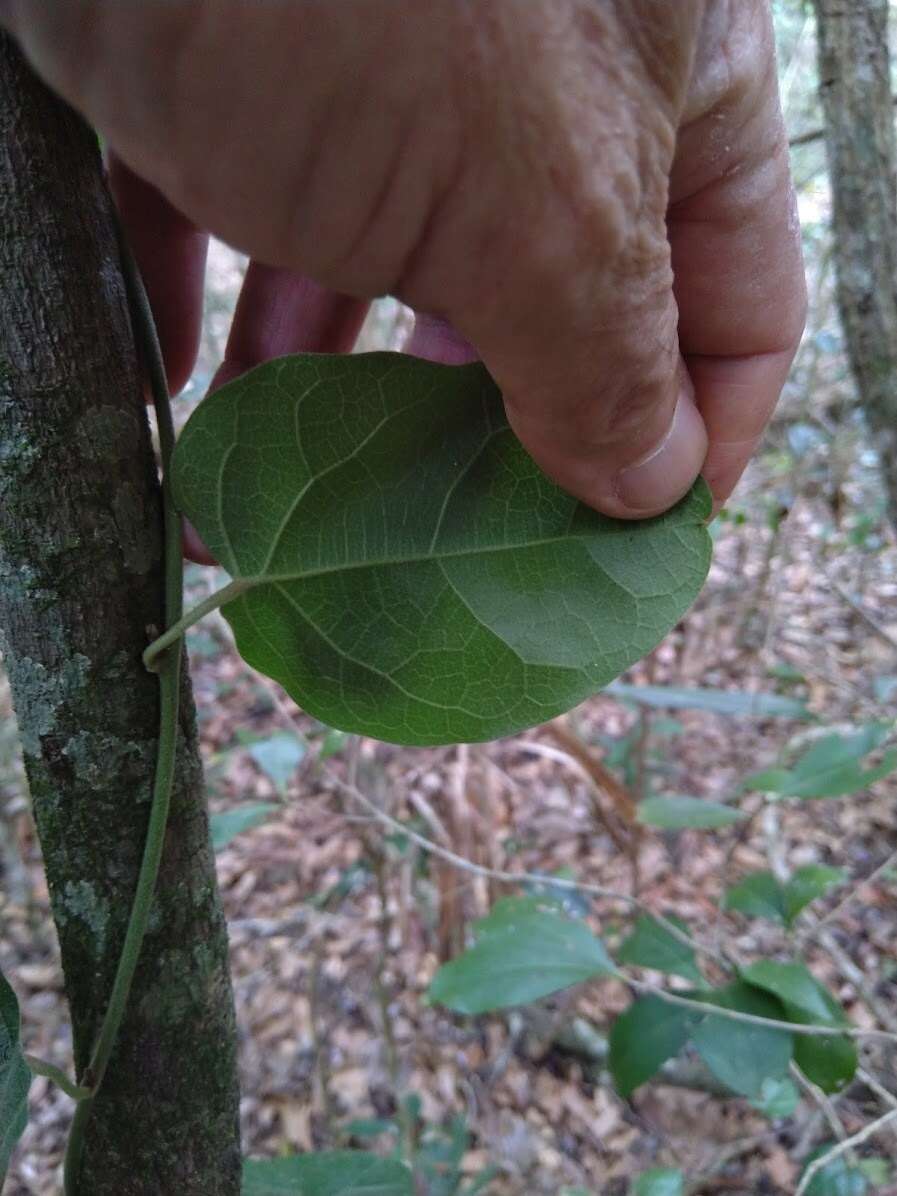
<point x="338" y="924"/>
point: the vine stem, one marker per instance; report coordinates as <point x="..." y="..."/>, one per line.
<point x="174" y="632"/>
<point x="50" y="1071"/>
<point x="169" y="673"/>
<point x="842" y="1148"/>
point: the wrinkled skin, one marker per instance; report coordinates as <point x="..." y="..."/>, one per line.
<point x="591" y="195"/>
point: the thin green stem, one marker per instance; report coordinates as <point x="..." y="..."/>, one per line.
<point x="226" y="594"/>
<point x="50" y="1071"/>
<point x="169" y="671"/>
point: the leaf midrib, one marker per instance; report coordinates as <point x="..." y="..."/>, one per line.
<point x="260" y="579"/>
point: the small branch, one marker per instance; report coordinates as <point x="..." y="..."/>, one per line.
<point x="868" y="618"/>
<point x="826" y="1106"/>
<point x="836" y="1152"/>
<point x="852" y="973"/>
<point x="752" y="1019"/>
<point x="321" y="1045"/>
<point x="623" y="801"/>
<point x="883" y="1094"/>
<point x="226" y="594"/>
<point x="811" y="135"/>
<point x="520" y="878"/>
<point x="806" y="137"/>
<point x="584" y="1041"/>
<point x="810" y="934"/>
<point x="710" y="1178"/>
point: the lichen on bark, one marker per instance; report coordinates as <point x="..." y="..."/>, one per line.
<point x="80" y="584"/>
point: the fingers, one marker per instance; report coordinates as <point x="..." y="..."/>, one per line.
<point x="582" y="342"/>
<point x="171" y="253"/>
<point x="282" y="312"/>
<point x="294" y="132"/>
<point x="737" y="255"/>
<point x="436" y="340"/>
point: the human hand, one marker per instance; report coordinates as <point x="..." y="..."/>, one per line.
<point x="595" y="196"/>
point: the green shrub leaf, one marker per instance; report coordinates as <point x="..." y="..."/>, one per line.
<point x="409" y="572"/>
<point x="15" y="1077"/>
<point x="334" y="1173"/>
<point x="643" y="1037"/>
<point x="278" y="757"/>
<point x="523" y="951"/>
<point x="832" y="767"/>
<point x="876" y="1169"/>
<point x="777" y="1098"/>
<point x="758" y="895"/>
<point x="662" y="1181"/>
<point x="741" y="1055"/>
<point x="714" y="701"/>
<point x="652" y="946"/>
<point x="828" y="1061"/>
<point x="683" y="813"/>
<point x="230" y="823"/>
<point x="807" y="884"/>
<point x="838" y="1178"/>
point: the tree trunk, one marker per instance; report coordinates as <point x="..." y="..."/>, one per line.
<point x="855" y="86"/>
<point x="80" y="584"/>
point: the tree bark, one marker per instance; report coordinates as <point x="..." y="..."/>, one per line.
<point x="80" y="584"/>
<point x="855" y="86"/>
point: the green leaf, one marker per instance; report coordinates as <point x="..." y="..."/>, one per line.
<point x="828" y="1061"/>
<point x="680" y="813"/>
<point x="877" y="1170"/>
<point x="523" y="952"/>
<point x="643" y="1037"/>
<point x="831" y="767"/>
<point x="410" y="573"/>
<point x="758" y="895"/>
<point x="332" y="744"/>
<point x="715" y="701"/>
<point x="739" y="1054"/>
<point x="652" y="946"/>
<point x="770" y="780"/>
<point x="807" y="884"/>
<point x="796" y="986"/>
<point x="837" y="1179"/>
<point x="572" y="902"/>
<point x="778" y="1098"/>
<point x="370" y="1127"/>
<point x="15" y="1077"/>
<point x="278" y="757"/>
<point x="230" y="823"/>
<point x="480" y="1182"/>
<point x="334" y="1173"/>
<point x="662" y="1181"/>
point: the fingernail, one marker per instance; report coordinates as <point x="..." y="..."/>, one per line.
<point x="664" y="475"/>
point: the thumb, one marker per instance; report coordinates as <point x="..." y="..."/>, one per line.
<point x="586" y="354"/>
